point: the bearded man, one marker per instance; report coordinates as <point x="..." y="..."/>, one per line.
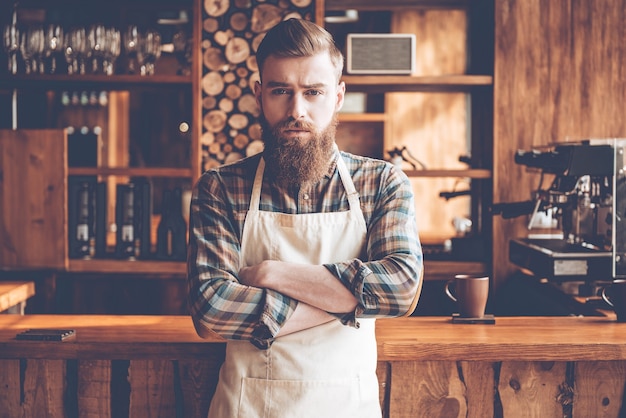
<point x="294" y="252"/>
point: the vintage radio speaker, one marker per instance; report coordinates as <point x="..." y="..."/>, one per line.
<point x="380" y="53"/>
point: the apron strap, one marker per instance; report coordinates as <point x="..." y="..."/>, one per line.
<point x="255" y="199"/>
<point x="348" y="184"/>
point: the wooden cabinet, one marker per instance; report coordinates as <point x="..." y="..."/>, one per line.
<point x="33" y="196"/>
<point x="147" y="127"/>
<point x="441" y="114"/>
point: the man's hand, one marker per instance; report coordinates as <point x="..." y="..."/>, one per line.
<point x="304" y="317"/>
<point x="257" y="275"/>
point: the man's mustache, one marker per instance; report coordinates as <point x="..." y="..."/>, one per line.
<point x="295" y="124"/>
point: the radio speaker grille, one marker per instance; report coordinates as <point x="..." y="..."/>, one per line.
<point x="380" y="54"/>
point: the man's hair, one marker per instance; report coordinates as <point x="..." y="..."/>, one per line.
<point x="297" y="38"/>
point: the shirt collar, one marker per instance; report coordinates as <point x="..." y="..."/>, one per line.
<point x="332" y="166"/>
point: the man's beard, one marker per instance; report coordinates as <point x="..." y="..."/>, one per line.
<point x="297" y="161"/>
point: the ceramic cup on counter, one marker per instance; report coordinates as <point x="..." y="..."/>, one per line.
<point x="470" y="293"/>
<point x="615" y="295"/>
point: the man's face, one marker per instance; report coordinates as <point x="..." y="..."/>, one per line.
<point x="299" y="99"/>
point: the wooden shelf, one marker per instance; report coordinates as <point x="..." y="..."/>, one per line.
<point x="378" y="5"/>
<point x="95" y="81"/>
<point x="362" y="117"/>
<point x="444" y="270"/>
<point x="434" y="270"/>
<point x="156" y="268"/>
<point x="393" y="83"/>
<point x="474" y="173"/>
<point x="131" y="172"/>
<point x="128" y="4"/>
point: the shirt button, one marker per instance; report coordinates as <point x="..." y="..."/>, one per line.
<point x="305" y="196"/>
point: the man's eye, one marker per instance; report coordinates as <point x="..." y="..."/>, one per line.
<point x="314" y="92"/>
<point x="280" y="91"/>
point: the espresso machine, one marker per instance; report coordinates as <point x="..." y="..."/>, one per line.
<point x="587" y="198"/>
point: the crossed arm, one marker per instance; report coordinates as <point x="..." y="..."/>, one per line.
<point x="317" y="290"/>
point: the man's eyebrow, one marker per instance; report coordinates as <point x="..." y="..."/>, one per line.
<point x="276" y="84"/>
<point x="271" y="84"/>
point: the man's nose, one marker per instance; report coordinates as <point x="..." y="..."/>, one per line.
<point x="298" y="107"/>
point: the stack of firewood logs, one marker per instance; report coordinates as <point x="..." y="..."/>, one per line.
<point x="232" y="31"/>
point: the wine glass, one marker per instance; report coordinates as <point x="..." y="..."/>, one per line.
<point x="181" y="51"/>
<point x="11" y="45"/>
<point x="75" y="48"/>
<point x="53" y="45"/>
<point x="96" y="40"/>
<point x="31" y="47"/>
<point x="112" y="50"/>
<point x="131" y="45"/>
<point x="149" y="51"/>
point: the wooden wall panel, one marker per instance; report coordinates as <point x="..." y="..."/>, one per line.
<point x="440" y="389"/>
<point x="33" y="198"/>
<point x="94" y="388"/>
<point x="599" y="389"/>
<point x="35" y="388"/>
<point x="10" y="383"/>
<point x="504" y="389"/>
<point x="559" y="74"/>
<point x="426" y="388"/>
<point x="152" y="394"/>
<point x="198" y="380"/>
<point x="433" y="126"/>
<point x="362" y="138"/>
<point x="480" y="390"/>
<point x="531" y="389"/>
<point x="43" y="388"/>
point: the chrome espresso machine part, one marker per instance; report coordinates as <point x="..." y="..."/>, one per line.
<point x="588" y="198"/>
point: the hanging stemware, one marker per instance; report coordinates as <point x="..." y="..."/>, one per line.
<point x="53" y="46"/>
<point x="112" y="50"/>
<point x="75" y="49"/>
<point x="96" y="40"/>
<point x="131" y="41"/>
<point x="182" y="49"/>
<point x="31" y="48"/>
<point x="11" y="45"/>
<point x="149" y="51"/>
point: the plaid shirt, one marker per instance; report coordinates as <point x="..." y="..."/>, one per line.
<point x="384" y="283"/>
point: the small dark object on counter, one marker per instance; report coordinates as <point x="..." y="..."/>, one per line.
<point x="487" y="319"/>
<point x="39" y="334"/>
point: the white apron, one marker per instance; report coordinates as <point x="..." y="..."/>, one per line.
<point x="322" y="372"/>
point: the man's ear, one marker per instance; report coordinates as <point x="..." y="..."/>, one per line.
<point x="341" y="94"/>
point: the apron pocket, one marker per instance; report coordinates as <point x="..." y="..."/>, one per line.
<point x="341" y="398"/>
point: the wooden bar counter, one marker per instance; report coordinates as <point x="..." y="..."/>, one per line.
<point x="156" y="366"/>
<point x="14" y="294"/>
